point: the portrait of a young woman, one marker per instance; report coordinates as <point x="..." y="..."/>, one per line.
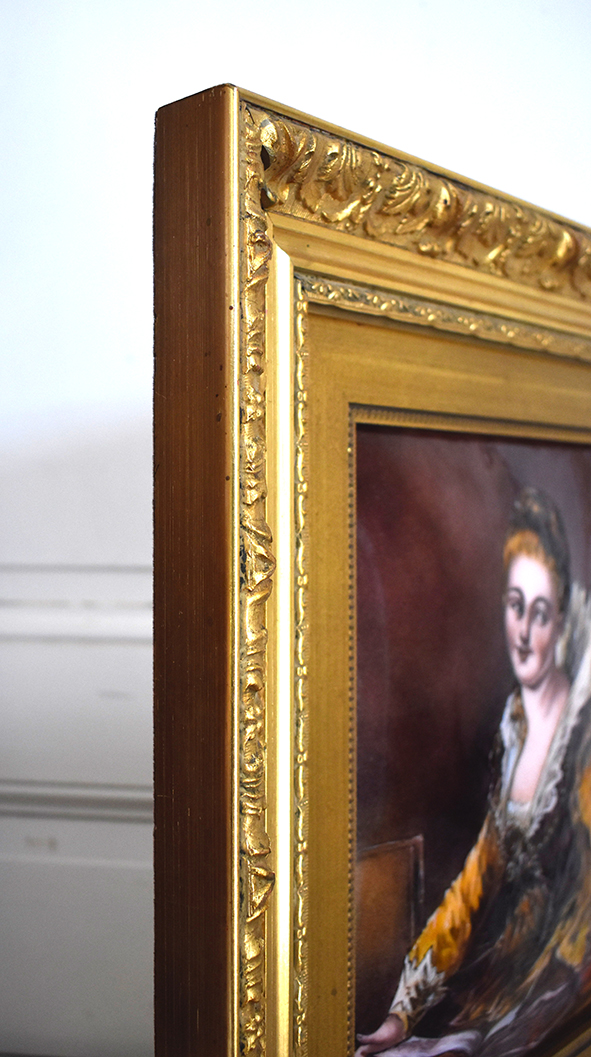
<point x="505" y="953"/>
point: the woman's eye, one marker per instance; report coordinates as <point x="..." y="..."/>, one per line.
<point x="541" y="617"/>
<point x="516" y="606"/>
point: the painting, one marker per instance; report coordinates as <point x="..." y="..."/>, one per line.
<point x="473" y="866"/>
<point x="329" y="746"/>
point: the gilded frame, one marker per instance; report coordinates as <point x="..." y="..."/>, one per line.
<point x="268" y="226"/>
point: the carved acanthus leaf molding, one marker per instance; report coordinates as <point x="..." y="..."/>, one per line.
<point x="335" y="182"/>
<point x="421" y="312"/>
<point x="257" y="564"/>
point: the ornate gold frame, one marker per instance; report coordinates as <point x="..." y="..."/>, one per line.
<point x="269" y="230"/>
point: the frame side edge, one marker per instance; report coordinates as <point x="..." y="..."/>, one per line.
<point x="194" y="463"/>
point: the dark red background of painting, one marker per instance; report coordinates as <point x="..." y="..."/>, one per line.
<point x="432" y="670"/>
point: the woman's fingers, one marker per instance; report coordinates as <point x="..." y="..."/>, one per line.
<point x="390" y="1033"/>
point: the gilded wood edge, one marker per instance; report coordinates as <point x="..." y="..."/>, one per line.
<point x="446" y="317"/>
<point x="256" y="878"/>
<point x="336" y="182"/>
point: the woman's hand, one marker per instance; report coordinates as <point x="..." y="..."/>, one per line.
<point x="390" y="1033"/>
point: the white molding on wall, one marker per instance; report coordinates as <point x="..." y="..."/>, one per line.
<point x="76" y="604"/>
<point x="86" y="622"/>
<point x="110" y="803"/>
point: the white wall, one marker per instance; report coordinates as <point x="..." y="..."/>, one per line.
<point x="76" y="744"/>
<point x="498" y="92"/>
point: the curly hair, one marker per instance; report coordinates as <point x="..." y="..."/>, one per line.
<point x="536" y="529"/>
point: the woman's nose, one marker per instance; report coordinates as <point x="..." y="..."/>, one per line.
<point x="524" y="628"/>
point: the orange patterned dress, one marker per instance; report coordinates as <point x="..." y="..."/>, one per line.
<point x="507" y="955"/>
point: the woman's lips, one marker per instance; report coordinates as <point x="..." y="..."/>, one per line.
<point x="523" y="652"/>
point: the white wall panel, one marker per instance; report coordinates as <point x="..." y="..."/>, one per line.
<point x="76" y="938"/>
<point x="76" y="712"/>
<point x="80" y="496"/>
<point x="76" y="930"/>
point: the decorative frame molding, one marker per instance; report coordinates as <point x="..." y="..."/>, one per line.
<point x="379" y="304"/>
<point x="301" y="672"/>
<point x="257" y="565"/>
<point x="328" y="179"/>
<point x="420" y="312"/>
<point x="282" y="183"/>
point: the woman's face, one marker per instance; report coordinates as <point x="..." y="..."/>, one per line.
<point x="532" y="620"/>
